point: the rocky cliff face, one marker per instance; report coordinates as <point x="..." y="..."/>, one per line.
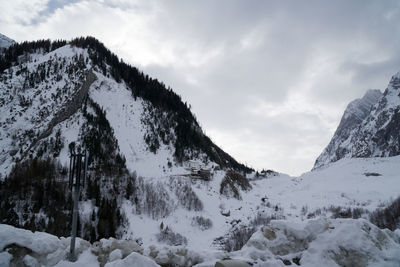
<point x="379" y="133"/>
<point x="355" y="113"/>
<point x="370" y="127"/>
<point x="5" y="42"/>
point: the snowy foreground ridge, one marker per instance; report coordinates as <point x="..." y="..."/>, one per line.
<point x="321" y="242"/>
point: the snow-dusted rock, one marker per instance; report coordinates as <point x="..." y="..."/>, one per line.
<point x="115" y="255"/>
<point x="134" y="260"/>
<point x="42" y="249"/>
<point x="5" y="258"/>
<point x="30" y="261"/>
<point x="323" y="242"/>
<point x="38" y="242"/>
<point x="108" y="250"/>
<point x="176" y="255"/>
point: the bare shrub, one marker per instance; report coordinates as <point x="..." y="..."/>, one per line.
<point x="357" y="213"/>
<point x="388" y="217"/>
<point x="342" y="212"/>
<point x="263" y="219"/>
<point x="185" y="194"/>
<point x="240" y="234"/>
<point x="166" y="235"/>
<point x="238" y="238"/>
<point x="232" y="182"/>
<point x="202" y="223"/>
<point x="372" y="174"/>
<point x="153" y="200"/>
<point x="304" y="210"/>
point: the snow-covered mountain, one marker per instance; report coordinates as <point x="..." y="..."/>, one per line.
<point x="5" y="42"/>
<point x="370" y="127"/>
<point x="147" y="150"/>
<point x="356" y="111"/>
<point x="44" y="86"/>
<point x="379" y="133"/>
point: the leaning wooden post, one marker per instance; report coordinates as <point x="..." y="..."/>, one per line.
<point x="74" y="184"/>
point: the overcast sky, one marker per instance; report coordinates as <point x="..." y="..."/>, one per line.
<point x="267" y="80"/>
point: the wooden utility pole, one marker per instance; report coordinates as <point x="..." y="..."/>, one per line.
<point x="75" y="182"/>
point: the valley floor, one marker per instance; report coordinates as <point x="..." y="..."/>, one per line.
<point x="307" y="227"/>
<point x="361" y="185"/>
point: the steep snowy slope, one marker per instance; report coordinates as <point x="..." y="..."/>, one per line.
<point x="43" y="87"/>
<point x="57" y="97"/>
<point x="29" y="105"/>
<point x="126" y="117"/>
<point x="370" y="127"/>
<point x="354" y="114"/>
<point x="379" y="133"/>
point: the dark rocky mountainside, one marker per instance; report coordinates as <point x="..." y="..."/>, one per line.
<point x="370" y="127"/>
<point x="356" y="111"/>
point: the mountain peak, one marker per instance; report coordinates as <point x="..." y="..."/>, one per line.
<point x="354" y="114"/>
<point x="5" y="42"/>
<point x="370" y="127"/>
<point x="360" y="107"/>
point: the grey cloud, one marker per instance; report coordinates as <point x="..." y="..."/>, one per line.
<point x="370" y="74"/>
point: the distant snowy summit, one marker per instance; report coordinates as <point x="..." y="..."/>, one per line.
<point x="355" y="113"/>
<point x="370" y="127"/>
<point x="5" y="42"/>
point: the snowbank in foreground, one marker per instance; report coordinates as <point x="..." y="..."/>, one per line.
<point x="21" y="247"/>
<point x="322" y="242"/>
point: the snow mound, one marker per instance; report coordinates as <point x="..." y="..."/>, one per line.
<point x="322" y="242"/>
<point x="19" y="247"/>
<point x="40" y="243"/>
<point x="134" y="260"/>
